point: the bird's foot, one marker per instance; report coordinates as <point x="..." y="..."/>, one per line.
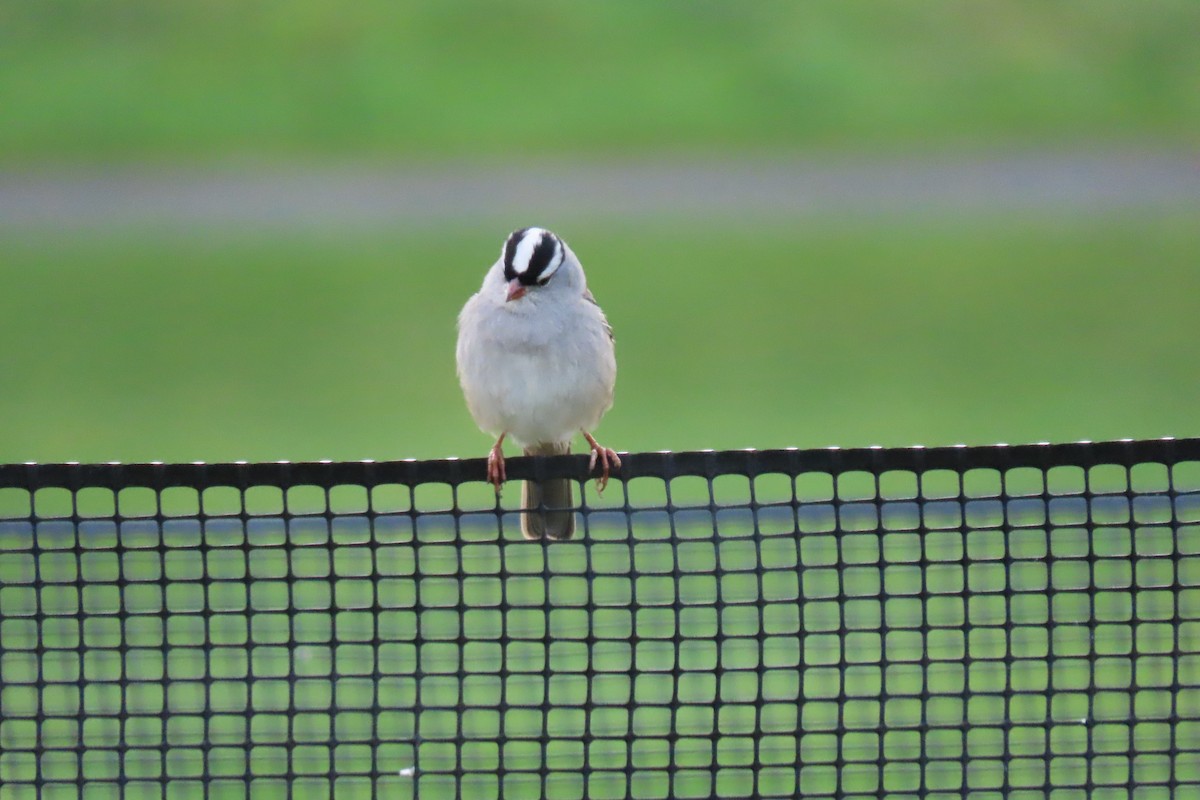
<point x="608" y="459"/>
<point x="495" y="465"/>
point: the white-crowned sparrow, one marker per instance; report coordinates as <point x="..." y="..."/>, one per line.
<point x="536" y="363"/>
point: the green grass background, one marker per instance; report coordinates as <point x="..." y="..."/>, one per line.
<point x="138" y="80"/>
<point x="322" y="344"/>
<point x="142" y="343"/>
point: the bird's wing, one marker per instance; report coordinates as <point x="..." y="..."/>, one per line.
<point x="587" y="295"/>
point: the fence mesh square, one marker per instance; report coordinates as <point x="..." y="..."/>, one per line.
<point x="985" y="622"/>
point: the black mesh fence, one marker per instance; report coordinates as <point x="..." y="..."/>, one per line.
<point x="986" y="622"/>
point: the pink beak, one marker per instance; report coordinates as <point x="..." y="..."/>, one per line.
<point x="515" y="290"/>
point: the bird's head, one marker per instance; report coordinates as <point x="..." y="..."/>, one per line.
<point x="531" y="258"/>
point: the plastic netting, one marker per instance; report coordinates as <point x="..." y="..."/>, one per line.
<point x="976" y="621"/>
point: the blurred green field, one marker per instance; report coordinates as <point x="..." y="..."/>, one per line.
<point x="142" y="345"/>
<point x="138" y="81"/>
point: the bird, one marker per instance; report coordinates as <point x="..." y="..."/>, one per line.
<point x="537" y="365"/>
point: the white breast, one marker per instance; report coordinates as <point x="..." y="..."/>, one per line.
<point x="540" y="373"/>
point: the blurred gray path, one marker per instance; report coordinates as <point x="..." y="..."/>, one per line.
<point x="1092" y="181"/>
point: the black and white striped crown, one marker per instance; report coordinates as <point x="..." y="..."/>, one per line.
<point x="532" y="256"/>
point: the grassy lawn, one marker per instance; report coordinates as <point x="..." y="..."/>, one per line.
<point x="141" y="346"/>
<point x="144" y="81"/>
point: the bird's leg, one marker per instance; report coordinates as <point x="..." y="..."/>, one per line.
<point x="495" y="464"/>
<point x="605" y="456"/>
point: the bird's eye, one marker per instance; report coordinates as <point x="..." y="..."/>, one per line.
<point x="543" y="281"/>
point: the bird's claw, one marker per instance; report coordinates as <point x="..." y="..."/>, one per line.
<point x="607" y="458"/>
<point x="495" y="467"/>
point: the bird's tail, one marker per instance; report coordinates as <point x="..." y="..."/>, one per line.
<point x="550" y="504"/>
